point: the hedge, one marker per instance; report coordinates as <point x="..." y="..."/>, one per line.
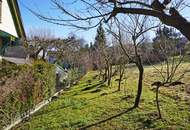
<point x="23" y="87"/>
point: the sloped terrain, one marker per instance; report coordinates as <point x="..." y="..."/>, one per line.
<point x="92" y="101"/>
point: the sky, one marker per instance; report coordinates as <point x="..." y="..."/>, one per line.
<point x="31" y="22"/>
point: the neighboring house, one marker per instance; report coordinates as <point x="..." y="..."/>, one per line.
<point x="11" y="30"/>
<point x="51" y="55"/>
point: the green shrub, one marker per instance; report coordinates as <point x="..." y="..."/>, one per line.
<point x="72" y="76"/>
<point x="75" y="74"/>
<point x="46" y="74"/>
<point x="20" y="93"/>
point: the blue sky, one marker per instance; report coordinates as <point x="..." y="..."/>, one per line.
<point x="44" y="6"/>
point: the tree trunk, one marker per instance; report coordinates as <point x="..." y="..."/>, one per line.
<point x="119" y="85"/>
<point x="105" y="76"/>
<point x="157" y="103"/>
<point x="140" y="84"/>
<point x="110" y="75"/>
<point x="100" y="73"/>
<point x="183" y="26"/>
<point x="120" y="76"/>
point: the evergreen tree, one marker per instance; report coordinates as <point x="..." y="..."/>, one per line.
<point x="165" y="37"/>
<point x="166" y="33"/>
<point x="100" y="39"/>
<point x="99" y="49"/>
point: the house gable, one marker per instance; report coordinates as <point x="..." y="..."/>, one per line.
<point x="7" y="23"/>
<point x="11" y="21"/>
<point x="14" y="8"/>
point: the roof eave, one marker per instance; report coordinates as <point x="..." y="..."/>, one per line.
<point x="15" y="11"/>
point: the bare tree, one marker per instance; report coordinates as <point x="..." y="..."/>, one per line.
<point x="109" y="57"/>
<point x="91" y="13"/>
<point x="69" y="50"/>
<point x="136" y="29"/>
<point x="103" y="55"/>
<point x="119" y="60"/>
<point x="174" y="56"/>
<point x="121" y="68"/>
<point x="39" y="40"/>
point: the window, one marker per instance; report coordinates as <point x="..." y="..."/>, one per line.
<point x="0" y="10"/>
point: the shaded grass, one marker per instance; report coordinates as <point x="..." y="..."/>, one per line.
<point x="79" y="107"/>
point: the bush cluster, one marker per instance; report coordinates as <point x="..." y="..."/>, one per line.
<point x="25" y="86"/>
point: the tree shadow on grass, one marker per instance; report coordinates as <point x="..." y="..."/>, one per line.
<point x="96" y="90"/>
<point x="105" y="120"/>
<point x="92" y="86"/>
<point x="116" y="91"/>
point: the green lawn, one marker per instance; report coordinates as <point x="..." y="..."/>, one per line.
<point x="84" y="104"/>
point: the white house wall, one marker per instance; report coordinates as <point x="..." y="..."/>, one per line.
<point x="7" y="24"/>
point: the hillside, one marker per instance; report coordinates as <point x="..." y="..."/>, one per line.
<point x="91" y="101"/>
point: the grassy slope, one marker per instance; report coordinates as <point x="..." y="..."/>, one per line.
<point x="82" y="105"/>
